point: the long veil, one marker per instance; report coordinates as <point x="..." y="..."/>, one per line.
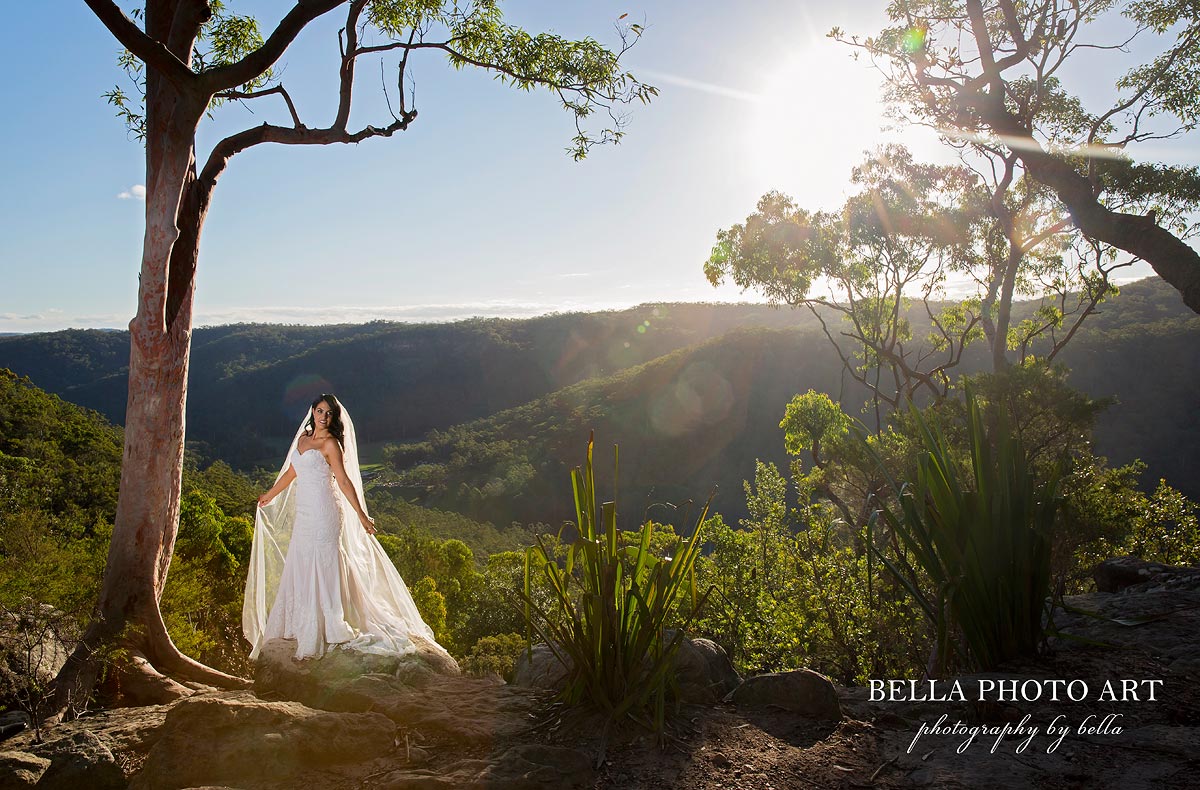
<point x="376" y="601"/>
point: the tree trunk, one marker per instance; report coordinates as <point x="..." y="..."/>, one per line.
<point x="1004" y="307"/>
<point x="147" y="517"/>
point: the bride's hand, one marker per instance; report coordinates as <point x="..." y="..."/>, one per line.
<point x="368" y="524"/>
<point x="264" y="499"/>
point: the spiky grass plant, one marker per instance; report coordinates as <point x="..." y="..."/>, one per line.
<point x="983" y="543"/>
<point x="610" y="605"/>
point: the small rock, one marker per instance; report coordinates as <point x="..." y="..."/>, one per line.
<point x="704" y="672"/>
<point x="802" y="691"/>
<point x="719" y="760"/>
<point x="13" y="722"/>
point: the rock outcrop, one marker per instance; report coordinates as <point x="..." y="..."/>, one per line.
<point x="1120" y="573"/>
<point x="351" y="720"/>
<point x="320" y="682"/>
<point x="212" y="741"/>
<point x="21" y="769"/>
<point x="80" y="759"/>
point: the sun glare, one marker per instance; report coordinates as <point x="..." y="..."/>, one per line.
<point x="816" y="114"/>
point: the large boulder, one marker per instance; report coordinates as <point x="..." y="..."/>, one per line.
<point x="317" y="681"/>
<point x="214" y="741"/>
<point x="802" y="691"/>
<point x="702" y="670"/>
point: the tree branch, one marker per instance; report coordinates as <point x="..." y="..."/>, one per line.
<point x="278" y="89"/>
<point x="267" y="133"/>
<point x="346" y="72"/>
<point x="154" y="53"/>
<point x="255" y="63"/>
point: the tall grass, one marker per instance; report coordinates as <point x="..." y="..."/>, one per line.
<point x="983" y="542"/>
<point x="610" y="605"/>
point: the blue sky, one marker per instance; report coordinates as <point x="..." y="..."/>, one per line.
<point x="476" y="210"/>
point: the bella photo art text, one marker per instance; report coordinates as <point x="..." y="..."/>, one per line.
<point x="1027" y="690"/>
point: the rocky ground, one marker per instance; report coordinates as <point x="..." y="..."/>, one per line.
<point x="352" y="721"/>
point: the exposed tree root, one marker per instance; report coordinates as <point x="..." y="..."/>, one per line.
<point x="168" y="659"/>
<point x="148" y="667"/>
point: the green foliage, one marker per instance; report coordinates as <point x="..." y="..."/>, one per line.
<point x="584" y="75"/>
<point x="225" y="39"/>
<point x="1010" y="108"/>
<point x="909" y="226"/>
<point x="812" y="420"/>
<point x="1167" y="78"/>
<point x="202" y="600"/>
<point x="983" y="542"/>
<point x="495" y="654"/>
<point x="1105" y="515"/>
<point x="1167" y="529"/>
<point x="432" y="605"/>
<point x="55" y="456"/>
<point x="793" y="588"/>
<point x="446" y="574"/>
<point x="611" y="607"/>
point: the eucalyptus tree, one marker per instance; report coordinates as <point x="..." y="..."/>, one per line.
<point x="999" y="71"/>
<point x="188" y="58"/>
<point x="858" y="270"/>
<point x="947" y="248"/>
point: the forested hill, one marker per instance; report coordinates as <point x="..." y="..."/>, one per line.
<point x="701" y="416"/>
<point x="249" y="383"/>
<point x="488" y="414"/>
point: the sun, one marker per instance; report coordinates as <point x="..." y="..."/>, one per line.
<point x="815" y="115"/>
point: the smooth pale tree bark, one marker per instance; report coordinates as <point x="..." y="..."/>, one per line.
<point x="178" y="195"/>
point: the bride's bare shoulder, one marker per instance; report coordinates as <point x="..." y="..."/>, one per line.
<point x="330" y="447"/>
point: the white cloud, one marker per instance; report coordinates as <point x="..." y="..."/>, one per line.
<point x="135" y="192"/>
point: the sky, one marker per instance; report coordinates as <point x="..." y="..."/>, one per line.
<point x="476" y="210"/>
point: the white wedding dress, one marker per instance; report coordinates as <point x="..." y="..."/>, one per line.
<point x="316" y="576"/>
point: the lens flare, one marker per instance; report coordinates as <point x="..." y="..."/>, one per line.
<point x="301" y="390"/>
<point x="914" y="40"/>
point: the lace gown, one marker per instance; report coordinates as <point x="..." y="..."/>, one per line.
<point x="308" y="606"/>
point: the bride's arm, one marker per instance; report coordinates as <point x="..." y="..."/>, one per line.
<point x="283" y="482"/>
<point x="333" y="454"/>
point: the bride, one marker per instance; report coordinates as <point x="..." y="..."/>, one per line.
<point x="316" y="574"/>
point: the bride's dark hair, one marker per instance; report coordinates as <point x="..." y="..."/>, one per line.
<point x="336" y="429"/>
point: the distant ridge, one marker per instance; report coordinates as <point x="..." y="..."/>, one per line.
<point x="522" y="393"/>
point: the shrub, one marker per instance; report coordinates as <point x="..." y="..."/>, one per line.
<point x="494" y="654"/>
<point x="982" y="541"/>
<point x="610" y="606"/>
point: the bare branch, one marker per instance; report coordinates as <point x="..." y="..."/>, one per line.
<point x="278" y="89"/>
